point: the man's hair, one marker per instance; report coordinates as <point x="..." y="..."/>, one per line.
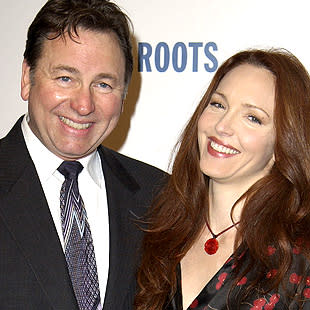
<point x="58" y="17"/>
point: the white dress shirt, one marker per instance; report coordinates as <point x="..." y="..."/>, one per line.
<point x="92" y="188"/>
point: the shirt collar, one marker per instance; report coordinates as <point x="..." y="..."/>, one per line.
<point x="46" y="162"/>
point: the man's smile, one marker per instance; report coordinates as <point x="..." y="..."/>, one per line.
<point x="73" y="124"/>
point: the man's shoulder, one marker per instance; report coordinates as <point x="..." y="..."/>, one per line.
<point x="15" y="161"/>
<point x="131" y="163"/>
<point x="143" y="173"/>
<point x="14" y="137"/>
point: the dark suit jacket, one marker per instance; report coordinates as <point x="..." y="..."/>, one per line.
<point x="33" y="272"/>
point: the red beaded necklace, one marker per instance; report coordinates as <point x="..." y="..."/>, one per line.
<point x="212" y="245"/>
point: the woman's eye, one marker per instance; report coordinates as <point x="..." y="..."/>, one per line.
<point x="216" y="105"/>
<point x="254" y="119"/>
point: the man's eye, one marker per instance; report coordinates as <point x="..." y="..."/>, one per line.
<point x="64" y="79"/>
<point x="104" y="87"/>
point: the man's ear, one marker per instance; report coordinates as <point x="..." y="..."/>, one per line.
<point x="25" y="81"/>
<point x="123" y="102"/>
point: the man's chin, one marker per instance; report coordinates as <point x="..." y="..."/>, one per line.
<point x="73" y="154"/>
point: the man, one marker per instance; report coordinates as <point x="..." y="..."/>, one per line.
<point x="70" y="242"/>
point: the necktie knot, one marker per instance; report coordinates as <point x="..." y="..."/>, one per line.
<point x="70" y="169"/>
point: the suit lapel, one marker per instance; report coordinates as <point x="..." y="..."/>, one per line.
<point x="124" y="236"/>
<point x="25" y="211"/>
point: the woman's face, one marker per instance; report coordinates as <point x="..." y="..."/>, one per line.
<point x="236" y="132"/>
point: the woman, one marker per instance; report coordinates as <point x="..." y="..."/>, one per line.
<point x="231" y="228"/>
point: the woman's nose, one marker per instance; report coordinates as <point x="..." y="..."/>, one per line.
<point x="225" y="125"/>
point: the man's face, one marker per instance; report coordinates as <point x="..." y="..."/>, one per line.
<point x="75" y="94"/>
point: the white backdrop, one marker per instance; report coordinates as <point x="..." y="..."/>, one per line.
<point x="181" y="43"/>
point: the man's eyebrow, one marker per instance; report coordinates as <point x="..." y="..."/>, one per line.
<point x="108" y="76"/>
<point x="65" y="68"/>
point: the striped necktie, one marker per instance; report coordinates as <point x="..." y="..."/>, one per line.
<point x="78" y="243"/>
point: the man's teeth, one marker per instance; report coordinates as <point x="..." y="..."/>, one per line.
<point x="73" y="124"/>
<point x="222" y="149"/>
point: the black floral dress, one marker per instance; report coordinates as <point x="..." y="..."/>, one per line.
<point x="217" y="292"/>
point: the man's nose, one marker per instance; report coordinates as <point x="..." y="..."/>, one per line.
<point x="83" y="101"/>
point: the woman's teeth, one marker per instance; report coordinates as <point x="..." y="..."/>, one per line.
<point x="222" y="149"/>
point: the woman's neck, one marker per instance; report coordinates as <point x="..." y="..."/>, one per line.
<point x="222" y="197"/>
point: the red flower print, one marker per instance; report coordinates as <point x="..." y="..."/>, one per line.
<point x="241" y="255"/>
<point x="194" y="304"/>
<point x="270" y="250"/>
<point x="296" y="250"/>
<point x="242" y="281"/>
<point x="269" y="306"/>
<point x="308" y="281"/>
<point x="295" y="278"/>
<point x="259" y="303"/>
<point x="271" y="273"/>
<point x="306" y="292"/>
<point x="222" y="277"/>
<point x="274" y="298"/>
<point x="229" y="259"/>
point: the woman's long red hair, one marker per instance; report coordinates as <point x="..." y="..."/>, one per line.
<point x="276" y="209"/>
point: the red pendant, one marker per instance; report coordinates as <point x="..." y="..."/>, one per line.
<point x="211" y="246"/>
